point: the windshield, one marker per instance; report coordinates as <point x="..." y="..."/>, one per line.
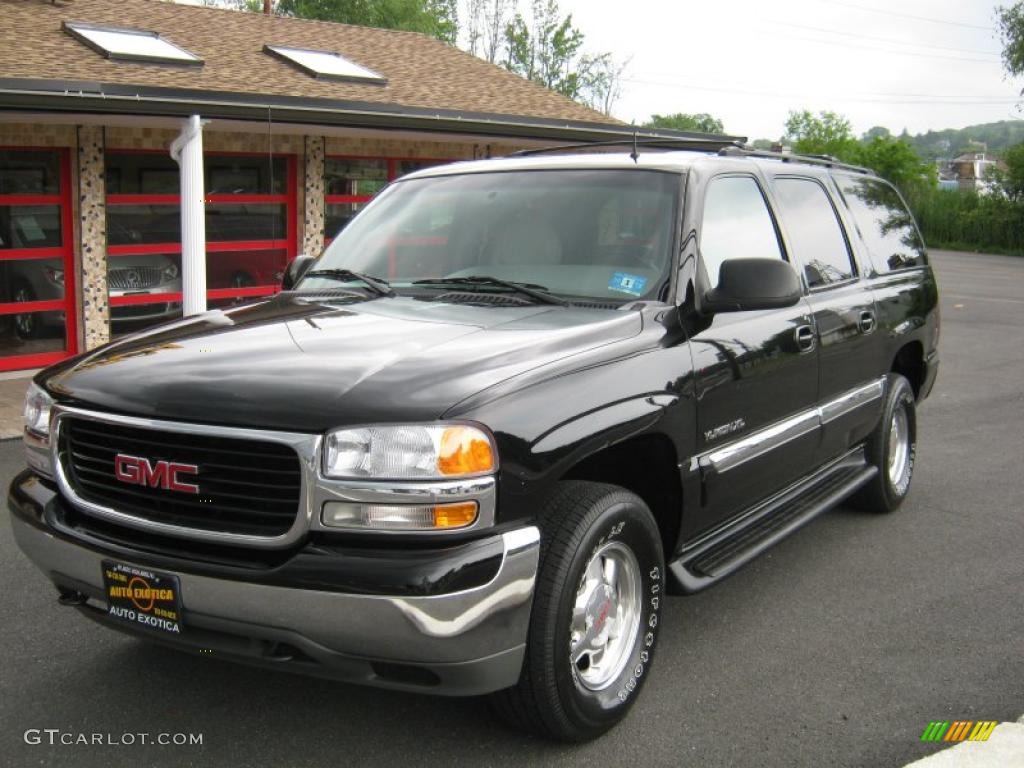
<point x="604" y="234"/>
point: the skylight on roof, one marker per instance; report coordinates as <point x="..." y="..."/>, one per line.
<point x="130" y="44"/>
<point x="325" y="64"/>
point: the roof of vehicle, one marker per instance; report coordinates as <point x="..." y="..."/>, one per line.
<point x="660" y="159"/>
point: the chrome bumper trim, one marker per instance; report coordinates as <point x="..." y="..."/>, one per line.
<point x="435" y="629"/>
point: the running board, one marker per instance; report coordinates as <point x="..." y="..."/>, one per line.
<point x="717" y="556"/>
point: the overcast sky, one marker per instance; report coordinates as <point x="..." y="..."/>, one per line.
<point x="915" y="64"/>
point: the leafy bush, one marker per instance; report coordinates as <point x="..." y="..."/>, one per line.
<point x="965" y="220"/>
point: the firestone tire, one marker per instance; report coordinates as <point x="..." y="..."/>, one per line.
<point x="892" y="448"/>
<point x="596" y="607"/>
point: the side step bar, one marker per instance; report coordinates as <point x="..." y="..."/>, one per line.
<point x="726" y="551"/>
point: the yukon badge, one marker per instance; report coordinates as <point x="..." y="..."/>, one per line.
<point x="724" y="429"/>
<point x="136" y="470"/>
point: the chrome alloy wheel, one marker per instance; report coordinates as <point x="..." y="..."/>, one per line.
<point x="605" y="616"/>
<point x="899" y="448"/>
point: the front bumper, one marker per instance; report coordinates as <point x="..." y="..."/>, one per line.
<point x="464" y="642"/>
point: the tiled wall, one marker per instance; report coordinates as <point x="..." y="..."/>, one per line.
<point x="313" y="229"/>
<point x="92" y="243"/>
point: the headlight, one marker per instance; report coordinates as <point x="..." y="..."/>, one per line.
<point x="170" y="272"/>
<point x="409" y="452"/>
<point x="37" y="411"/>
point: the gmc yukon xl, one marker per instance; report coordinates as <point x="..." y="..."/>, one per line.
<point x="516" y="402"/>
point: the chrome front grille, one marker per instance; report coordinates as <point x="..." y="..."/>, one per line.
<point x="133" y="278"/>
<point x="242" y="486"/>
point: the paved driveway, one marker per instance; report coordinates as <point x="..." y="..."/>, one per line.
<point x="835" y="649"/>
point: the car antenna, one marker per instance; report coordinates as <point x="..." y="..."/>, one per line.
<point x="634" y="154"/>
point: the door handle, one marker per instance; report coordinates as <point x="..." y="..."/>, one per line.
<point x="804" y="336"/>
<point x="867" y="321"/>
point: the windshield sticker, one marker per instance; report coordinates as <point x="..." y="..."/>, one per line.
<point x="627" y="283"/>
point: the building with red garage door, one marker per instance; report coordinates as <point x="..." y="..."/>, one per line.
<point x="303" y="122"/>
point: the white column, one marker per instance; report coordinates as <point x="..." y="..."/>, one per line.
<point x="187" y="151"/>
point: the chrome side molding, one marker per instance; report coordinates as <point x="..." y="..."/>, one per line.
<point x="776" y="435"/>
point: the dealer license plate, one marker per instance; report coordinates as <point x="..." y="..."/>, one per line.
<point x="143" y="598"/>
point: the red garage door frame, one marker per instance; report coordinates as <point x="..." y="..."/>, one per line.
<point x="65" y="251"/>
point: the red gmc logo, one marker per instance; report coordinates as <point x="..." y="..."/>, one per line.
<point x="163" y="474"/>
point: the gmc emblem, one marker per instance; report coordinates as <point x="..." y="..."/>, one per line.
<point x="163" y="474"/>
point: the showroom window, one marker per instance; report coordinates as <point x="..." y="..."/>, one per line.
<point x="37" y="294"/>
<point x="350" y="183"/>
<point x="250" y="231"/>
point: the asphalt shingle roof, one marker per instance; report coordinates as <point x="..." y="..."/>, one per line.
<point x="422" y="72"/>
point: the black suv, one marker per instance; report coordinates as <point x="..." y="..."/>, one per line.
<point x="514" y="404"/>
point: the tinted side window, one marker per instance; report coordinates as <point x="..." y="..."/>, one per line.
<point x="736" y="224"/>
<point x="884" y="222"/>
<point x="815" y="234"/>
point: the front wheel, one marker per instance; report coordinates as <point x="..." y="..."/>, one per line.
<point x="594" y="624"/>
<point x="892" y="448"/>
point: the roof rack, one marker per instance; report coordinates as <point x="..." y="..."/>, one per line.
<point x="648" y="142"/>
<point x="788" y="157"/>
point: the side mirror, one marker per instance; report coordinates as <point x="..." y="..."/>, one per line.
<point x="746" y="284"/>
<point x="295" y="270"/>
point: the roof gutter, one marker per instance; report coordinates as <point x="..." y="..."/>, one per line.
<point x="106" y="98"/>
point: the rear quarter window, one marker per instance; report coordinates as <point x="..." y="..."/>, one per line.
<point x="884" y="223"/>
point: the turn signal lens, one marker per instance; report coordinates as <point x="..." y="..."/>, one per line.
<point x="464" y="451"/>
<point x="399" y="517"/>
<point x="455" y="515"/>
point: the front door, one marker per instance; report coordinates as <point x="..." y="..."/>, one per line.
<point x="756" y="372"/>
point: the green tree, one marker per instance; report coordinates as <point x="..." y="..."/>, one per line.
<point x="825" y="134"/>
<point x="437" y="18"/>
<point x="1010" y="20"/>
<point x="1011" y="178"/>
<point x="877" y="132"/>
<point x="700" y="122"/>
<point x="548" y="49"/>
<point x="895" y="160"/>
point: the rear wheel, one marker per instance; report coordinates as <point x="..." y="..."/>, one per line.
<point x="892" y="448"/>
<point x="594" y="623"/>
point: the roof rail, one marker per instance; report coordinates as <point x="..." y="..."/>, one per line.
<point x="647" y="142"/>
<point x="788" y="157"/>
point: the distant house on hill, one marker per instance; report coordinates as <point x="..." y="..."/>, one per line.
<point x="968" y="171"/>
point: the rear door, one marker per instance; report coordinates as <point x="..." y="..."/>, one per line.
<point x="845" y="321"/>
<point x="756" y="372"/>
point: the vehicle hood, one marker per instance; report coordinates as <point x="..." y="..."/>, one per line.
<point x="302" y="364"/>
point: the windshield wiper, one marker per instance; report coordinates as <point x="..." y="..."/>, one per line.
<point x="534" y="291"/>
<point x="378" y="285"/>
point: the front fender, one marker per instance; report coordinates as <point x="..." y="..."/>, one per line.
<point x="546" y="428"/>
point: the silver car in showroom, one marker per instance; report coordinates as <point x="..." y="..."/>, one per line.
<point x="43" y="280"/>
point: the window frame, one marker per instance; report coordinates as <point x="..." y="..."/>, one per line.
<point x="865" y="248"/>
<point x="391" y="165"/>
<point x="65" y="251"/>
<point x="78" y="30"/>
<point x="772" y="215"/>
<point x="850" y="251"/>
<point x="289" y="199"/>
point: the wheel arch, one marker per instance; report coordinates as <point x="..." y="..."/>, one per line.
<point x="646" y="465"/>
<point x="909" y="362"/>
